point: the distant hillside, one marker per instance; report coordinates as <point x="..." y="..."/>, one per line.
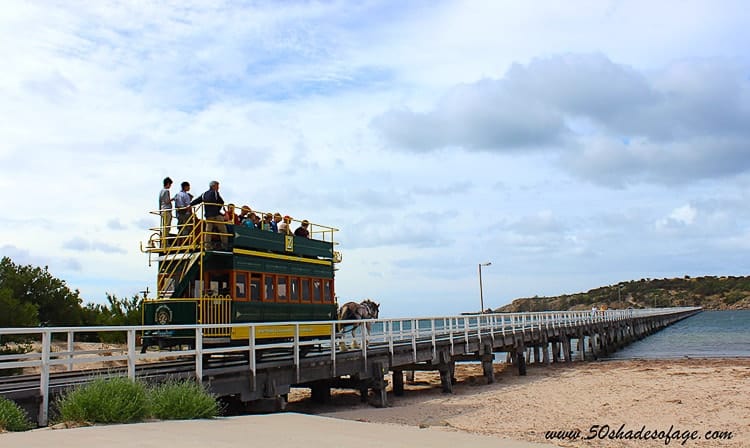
<point x="712" y="293"/>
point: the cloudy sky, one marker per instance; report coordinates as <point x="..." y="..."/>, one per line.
<point x="572" y="147"/>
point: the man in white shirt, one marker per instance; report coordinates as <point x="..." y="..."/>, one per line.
<point x="165" y="207"/>
<point x="184" y="210"/>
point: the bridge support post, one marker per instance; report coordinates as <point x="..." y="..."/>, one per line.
<point x="520" y="356"/>
<point x="555" y="352"/>
<point x="446" y="377"/>
<point x="567" y="347"/>
<point x="398" y="382"/>
<point x="379" y="369"/>
<point x="320" y="392"/>
<point x="521" y="362"/>
<point x="488" y="368"/>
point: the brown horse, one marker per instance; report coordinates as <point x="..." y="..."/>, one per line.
<point x="367" y="309"/>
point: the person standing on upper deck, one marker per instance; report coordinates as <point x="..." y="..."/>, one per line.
<point x="302" y="229"/>
<point x="212" y="205"/>
<point x="184" y="210"/>
<point x="165" y="208"/>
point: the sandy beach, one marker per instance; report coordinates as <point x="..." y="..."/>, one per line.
<point x="637" y="403"/>
<point x="691" y="396"/>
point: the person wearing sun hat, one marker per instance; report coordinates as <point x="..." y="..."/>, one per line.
<point x="302" y="229"/>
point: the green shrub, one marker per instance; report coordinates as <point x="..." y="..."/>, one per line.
<point x="182" y="400"/>
<point x="104" y="400"/>
<point x="12" y="417"/>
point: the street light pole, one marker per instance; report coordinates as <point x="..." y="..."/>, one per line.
<point x="481" y="295"/>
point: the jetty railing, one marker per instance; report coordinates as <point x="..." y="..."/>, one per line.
<point x="54" y="348"/>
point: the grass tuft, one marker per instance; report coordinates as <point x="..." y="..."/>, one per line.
<point x="12" y="417"/>
<point x="120" y="400"/>
<point x="182" y="400"/>
<point x="104" y="400"/>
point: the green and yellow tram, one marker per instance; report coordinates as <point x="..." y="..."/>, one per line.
<point x="260" y="276"/>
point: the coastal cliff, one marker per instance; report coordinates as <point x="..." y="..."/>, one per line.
<point x="710" y="292"/>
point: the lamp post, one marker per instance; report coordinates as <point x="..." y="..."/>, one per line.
<point x="481" y="296"/>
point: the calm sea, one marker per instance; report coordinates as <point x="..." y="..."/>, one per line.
<point x="709" y="334"/>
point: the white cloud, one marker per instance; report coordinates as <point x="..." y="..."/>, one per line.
<point x="507" y="126"/>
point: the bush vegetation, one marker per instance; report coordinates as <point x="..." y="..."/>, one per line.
<point x="182" y="400"/>
<point x="710" y="292"/>
<point x="120" y="400"/>
<point x="112" y="400"/>
<point x="12" y="417"/>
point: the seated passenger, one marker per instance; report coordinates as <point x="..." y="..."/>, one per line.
<point x="302" y="230"/>
<point x="230" y="216"/>
<point x="285" y="225"/>
<point x="275" y="222"/>
<point x="266" y="224"/>
<point x="244" y="213"/>
<point x="253" y="221"/>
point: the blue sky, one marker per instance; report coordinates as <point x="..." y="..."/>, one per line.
<point x="571" y="148"/>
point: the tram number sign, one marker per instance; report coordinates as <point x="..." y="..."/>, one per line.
<point x="289" y="243"/>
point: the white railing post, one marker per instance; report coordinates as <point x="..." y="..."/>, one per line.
<point x="450" y="333"/>
<point x="364" y="341"/>
<point x="131" y="354"/>
<point x="414" y="339"/>
<point x="199" y="355"/>
<point x="333" y="349"/>
<point x="71" y="349"/>
<point x="390" y="336"/>
<point x="434" y="346"/>
<point x="296" y="349"/>
<point x="251" y="354"/>
<point x="44" y="378"/>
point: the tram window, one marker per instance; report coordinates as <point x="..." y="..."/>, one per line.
<point x="305" y="289"/>
<point x="254" y="286"/>
<point x="240" y="286"/>
<point x="327" y="293"/>
<point x="218" y="284"/>
<point x="281" y="287"/>
<point x="294" y="289"/>
<point x="270" y="288"/>
<point x="316" y="290"/>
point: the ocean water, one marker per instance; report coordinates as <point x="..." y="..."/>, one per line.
<point x="709" y="334"/>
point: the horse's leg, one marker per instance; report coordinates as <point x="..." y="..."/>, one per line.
<point x="355" y="344"/>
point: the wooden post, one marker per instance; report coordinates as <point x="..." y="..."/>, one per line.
<point x="487" y="368"/>
<point x="398" y="383"/>
<point x="445" y="379"/>
<point x="320" y="392"/>
<point x="379" y="369"/>
<point x="521" y="363"/>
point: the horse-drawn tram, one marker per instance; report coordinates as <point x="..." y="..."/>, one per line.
<point x="218" y="273"/>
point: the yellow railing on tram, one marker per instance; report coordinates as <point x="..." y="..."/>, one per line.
<point x="215" y="310"/>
